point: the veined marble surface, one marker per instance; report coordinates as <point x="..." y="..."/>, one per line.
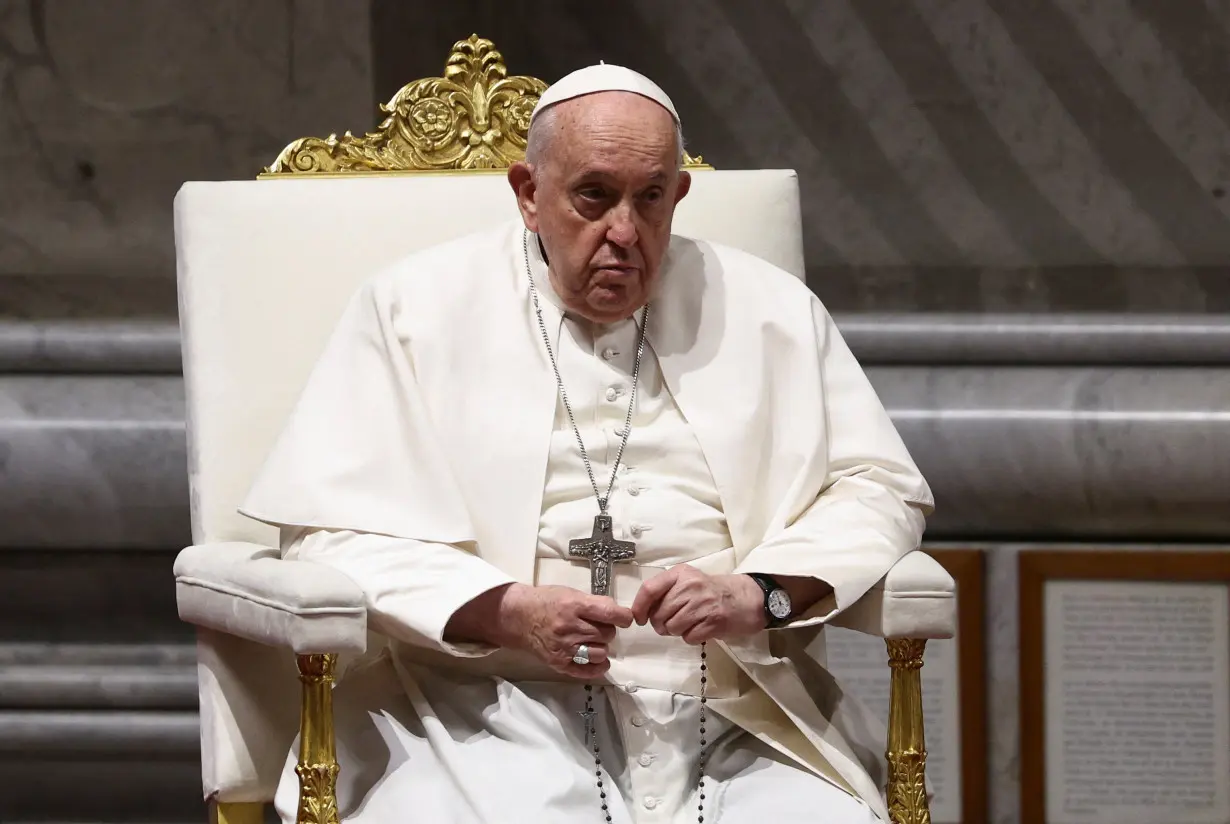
<point x="1076" y="453"/>
<point x="95" y="462"/>
<point x="112" y="676"/>
<point x="151" y="344"/>
<point x="107" y="107"/>
<point x="953" y="155"/>
<point x="92" y="462"/>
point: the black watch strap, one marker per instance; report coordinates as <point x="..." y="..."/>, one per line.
<point x="768" y="585"/>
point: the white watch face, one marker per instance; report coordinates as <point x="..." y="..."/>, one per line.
<point x="779" y="604"/>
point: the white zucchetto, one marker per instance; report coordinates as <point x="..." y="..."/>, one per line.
<point x="603" y="78"/>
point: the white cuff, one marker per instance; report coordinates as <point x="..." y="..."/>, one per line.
<point x="411" y="588"/>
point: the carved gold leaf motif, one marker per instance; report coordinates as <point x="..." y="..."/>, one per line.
<point x="907" y="788"/>
<point x="474" y="117"/>
<point x="317" y="801"/>
<point x="906" y="653"/>
<point x="907" y="751"/>
<point x="317" y="767"/>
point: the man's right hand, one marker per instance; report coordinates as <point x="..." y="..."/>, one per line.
<point x="549" y="622"/>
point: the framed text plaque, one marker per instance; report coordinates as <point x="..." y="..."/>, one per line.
<point x="954" y="692"/>
<point x="1125" y="687"/>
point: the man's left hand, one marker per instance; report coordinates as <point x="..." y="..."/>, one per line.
<point x="696" y="607"/>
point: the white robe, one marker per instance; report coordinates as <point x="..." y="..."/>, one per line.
<point x="411" y="432"/>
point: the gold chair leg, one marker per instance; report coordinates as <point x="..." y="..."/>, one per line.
<point x="317" y="768"/>
<point x="243" y="812"/>
<point x="907" y="749"/>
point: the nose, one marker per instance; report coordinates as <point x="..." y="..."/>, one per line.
<point x="621" y="230"/>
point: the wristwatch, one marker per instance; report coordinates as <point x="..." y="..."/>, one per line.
<point x="777" y="607"/>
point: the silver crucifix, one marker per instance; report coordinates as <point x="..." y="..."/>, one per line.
<point x="588" y="715"/>
<point x="602" y="551"/>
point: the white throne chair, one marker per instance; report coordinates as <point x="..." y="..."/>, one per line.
<point x="265" y="268"/>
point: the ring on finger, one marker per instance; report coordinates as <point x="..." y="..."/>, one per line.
<point x="582" y="654"/>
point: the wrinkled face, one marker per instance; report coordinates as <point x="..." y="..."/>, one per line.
<point x="601" y="194"/>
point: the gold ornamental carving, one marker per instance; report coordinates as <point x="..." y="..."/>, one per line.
<point x="907" y="788"/>
<point x="317" y="668"/>
<point x="473" y="118"/>
<point x="317" y="767"/>
<point x="906" y="653"/>
<point x="907" y="750"/>
<point x="317" y="798"/>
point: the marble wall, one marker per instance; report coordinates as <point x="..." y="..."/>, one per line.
<point x="107" y="107"/>
<point x="995" y="164"/>
<point x="956" y="155"/>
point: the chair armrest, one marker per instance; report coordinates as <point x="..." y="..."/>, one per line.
<point x="247" y="590"/>
<point x="916" y="599"/>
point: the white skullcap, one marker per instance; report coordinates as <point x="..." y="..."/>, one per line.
<point x="603" y="78"/>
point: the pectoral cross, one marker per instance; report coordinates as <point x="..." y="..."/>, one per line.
<point x="602" y="551"/>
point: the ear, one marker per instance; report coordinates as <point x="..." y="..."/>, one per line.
<point x="685" y="186"/>
<point x="521" y="178"/>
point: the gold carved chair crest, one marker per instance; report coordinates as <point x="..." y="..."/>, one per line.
<point x="473" y="118"/>
<point x="476" y="118"/>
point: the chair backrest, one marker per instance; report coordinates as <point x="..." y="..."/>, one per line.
<point x="266" y="266"/>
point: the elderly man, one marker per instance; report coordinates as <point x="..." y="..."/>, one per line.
<point x="602" y="486"/>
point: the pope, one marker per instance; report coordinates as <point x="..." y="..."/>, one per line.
<point x="602" y="486"/>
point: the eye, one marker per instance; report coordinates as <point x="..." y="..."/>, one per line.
<point x="652" y="195"/>
<point x="591" y="192"/>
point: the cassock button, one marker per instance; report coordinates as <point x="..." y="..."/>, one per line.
<point x="646" y="759"/>
<point x="637" y="531"/>
<point x="612" y="394"/>
<point x="650" y="802"/>
<point x="638" y="720"/>
<point x="609" y="353"/>
<point x="634" y="491"/>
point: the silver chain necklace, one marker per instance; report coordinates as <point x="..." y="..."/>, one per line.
<point x="601" y="549"/>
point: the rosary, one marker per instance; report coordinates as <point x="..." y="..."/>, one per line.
<point x="601" y="548"/>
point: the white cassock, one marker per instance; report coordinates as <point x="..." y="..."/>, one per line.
<point x="422" y="461"/>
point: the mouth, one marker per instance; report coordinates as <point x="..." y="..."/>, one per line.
<point x="615" y="271"/>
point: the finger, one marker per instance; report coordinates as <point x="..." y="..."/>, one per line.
<point x="651" y="592"/>
<point x="604" y="609"/>
<point x="667" y="609"/>
<point x="599" y="663"/>
<point x="584" y="631"/>
<point x="682" y="621"/>
<point x="589" y="632"/>
<point x="598" y="654"/>
<point x="701" y="632"/>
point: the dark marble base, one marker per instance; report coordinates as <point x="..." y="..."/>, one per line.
<point x="87" y="597"/>
<point x="105" y="789"/>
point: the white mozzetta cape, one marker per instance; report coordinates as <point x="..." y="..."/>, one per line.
<point x="429" y="417"/>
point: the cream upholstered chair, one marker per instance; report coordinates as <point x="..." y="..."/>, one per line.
<point x="265" y="268"/>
